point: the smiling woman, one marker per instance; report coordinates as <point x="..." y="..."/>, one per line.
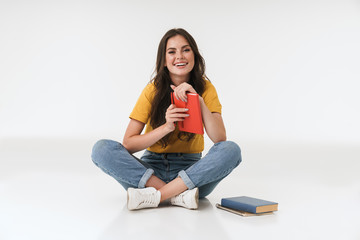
<point x="171" y="167"/>
<point x="176" y="46"/>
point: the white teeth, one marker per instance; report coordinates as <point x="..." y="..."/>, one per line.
<point x="180" y="64"/>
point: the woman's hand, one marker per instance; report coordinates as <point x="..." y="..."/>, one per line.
<point x="134" y="141"/>
<point x="174" y="114"/>
<point x="181" y="90"/>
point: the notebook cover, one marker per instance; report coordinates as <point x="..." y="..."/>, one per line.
<point x="249" y="204"/>
<point x="193" y="123"/>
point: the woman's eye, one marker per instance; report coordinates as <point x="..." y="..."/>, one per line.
<point x="171" y="52"/>
<point x="187" y="50"/>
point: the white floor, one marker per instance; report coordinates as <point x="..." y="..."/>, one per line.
<point x="49" y="189"/>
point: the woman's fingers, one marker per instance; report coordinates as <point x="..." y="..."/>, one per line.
<point x="179" y="115"/>
<point x="174" y="114"/>
<point x="177" y="110"/>
<point x="171" y="107"/>
<point x="181" y="90"/>
<point x="180" y="94"/>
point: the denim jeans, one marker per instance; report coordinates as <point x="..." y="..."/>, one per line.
<point x="204" y="173"/>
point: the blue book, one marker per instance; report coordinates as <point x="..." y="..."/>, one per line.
<point x="249" y="204"/>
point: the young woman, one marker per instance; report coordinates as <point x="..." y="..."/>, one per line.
<point x="171" y="166"/>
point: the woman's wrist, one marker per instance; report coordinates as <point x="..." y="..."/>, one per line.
<point x="168" y="128"/>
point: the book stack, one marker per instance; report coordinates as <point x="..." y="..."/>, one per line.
<point x="247" y="206"/>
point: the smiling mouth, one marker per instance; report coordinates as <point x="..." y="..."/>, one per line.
<point x="180" y="64"/>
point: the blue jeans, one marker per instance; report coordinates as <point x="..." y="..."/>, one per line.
<point x="204" y="173"/>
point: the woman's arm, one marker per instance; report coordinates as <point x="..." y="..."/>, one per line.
<point x="213" y="123"/>
<point x="134" y="141"/>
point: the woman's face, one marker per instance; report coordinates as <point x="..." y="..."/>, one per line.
<point x="179" y="58"/>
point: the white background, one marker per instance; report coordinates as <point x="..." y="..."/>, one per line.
<point x="287" y="74"/>
<point x="285" y="71"/>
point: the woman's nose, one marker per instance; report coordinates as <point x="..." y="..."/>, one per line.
<point x="179" y="55"/>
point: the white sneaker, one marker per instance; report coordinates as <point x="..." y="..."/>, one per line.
<point x="188" y="199"/>
<point x="138" y="198"/>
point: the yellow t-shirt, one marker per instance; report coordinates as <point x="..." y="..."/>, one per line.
<point x="141" y="112"/>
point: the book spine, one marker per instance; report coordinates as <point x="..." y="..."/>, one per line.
<point x="238" y="206"/>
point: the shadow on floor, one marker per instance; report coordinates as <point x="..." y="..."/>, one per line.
<point x="166" y="222"/>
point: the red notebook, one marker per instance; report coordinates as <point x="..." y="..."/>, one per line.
<point x="192" y="123"/>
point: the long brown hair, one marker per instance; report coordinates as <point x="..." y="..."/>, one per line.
<point x="162" y="82"/>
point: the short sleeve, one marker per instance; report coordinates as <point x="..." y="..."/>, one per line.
<point x="141" y="111"/>
<point x="211" y="98"/>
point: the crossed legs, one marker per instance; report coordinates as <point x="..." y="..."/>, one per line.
<point x="131" y="172"/>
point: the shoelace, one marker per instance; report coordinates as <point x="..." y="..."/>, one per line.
<point x="179" y="199"/>
<point x="149" y="200"/>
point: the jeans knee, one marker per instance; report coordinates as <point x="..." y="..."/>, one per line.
<point x="100" y="148"/>
<point x="233" y="151"/>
